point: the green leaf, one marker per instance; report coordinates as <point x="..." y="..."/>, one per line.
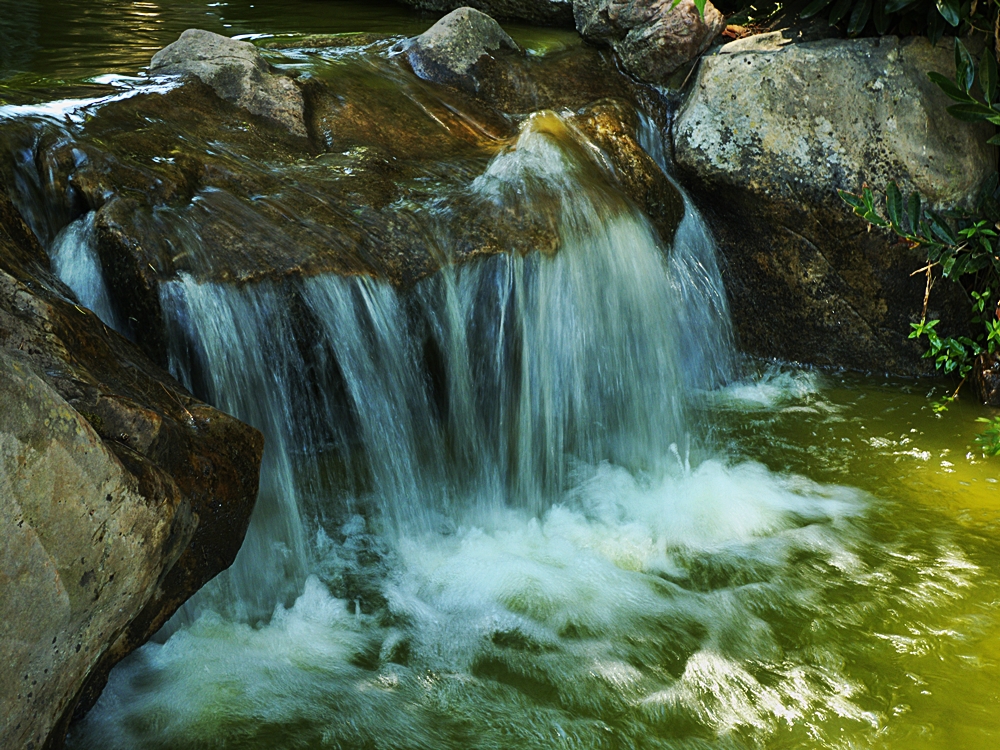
<point x="988" y="75"/>
<point x="894" y="204"/>
<point x="851" y="199"/>
<point x="949" y="10"/>
<point x="970" y="112"/>
<point x="950" y="88"/>
<point x="859" y="17"/>
<point x="700" y="5"/>
<point x="894" y="6"/>
<point x="913" y="212"/>
<point x="813" y="8"/>
<point x="839" y="9"/>
<point x="965" y="68"/>
<point x="869" y="199"/>
<point x="879" y="17"/>
<point x="994" y="141"/>
<point x="942" y="230"/>
<point x="947" y="265"/>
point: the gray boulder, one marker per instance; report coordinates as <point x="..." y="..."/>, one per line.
<point x="80" y="532"/>
<point x="766" y="137"/>
<point x="451" y="50"/>
<point x="120" y="495"/>
<point x="237" y="73"/>
<point x="651" y="38"/>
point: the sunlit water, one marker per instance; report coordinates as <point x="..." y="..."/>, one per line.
<point x="539" y="502"/>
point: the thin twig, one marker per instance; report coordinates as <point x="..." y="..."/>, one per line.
<point x="927" y="292"/>
<point x="955" y="394"/>
<point x="174" y="397"/>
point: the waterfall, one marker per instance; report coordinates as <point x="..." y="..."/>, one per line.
<point x="477" y="391"/>
<point x="74" y="260"/>
<point x="490" y="517"/>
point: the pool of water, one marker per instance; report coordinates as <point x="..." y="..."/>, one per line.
<point x="824" y="573"/>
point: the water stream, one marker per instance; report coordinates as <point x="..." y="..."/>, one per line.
<point x="540" y="501"/>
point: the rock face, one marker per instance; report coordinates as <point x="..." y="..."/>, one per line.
<point x="652" y="39"/>
<point x="450" y="50"/>
<point x="985" y="378"/>
<point x="237" y="73"/>
<point x="545" y="12"/>
<point x="182" y="182"/>
<point x="120" y="496"/>
<point x="765" y="138"/>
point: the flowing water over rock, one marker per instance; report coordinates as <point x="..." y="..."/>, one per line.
<point x="534" y="501"/>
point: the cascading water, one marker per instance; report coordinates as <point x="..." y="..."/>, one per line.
<point x="531" y="501"/>
<point x="543" y="364"/>
<point x="75" y="262"/>
<point x="478" y="501"/>
<point x="491" y="514"/>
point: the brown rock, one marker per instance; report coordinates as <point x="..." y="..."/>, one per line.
<point x="182" y="182"/>
<point x="121" y="495"/>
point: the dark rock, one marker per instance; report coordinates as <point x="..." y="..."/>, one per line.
<point x="450" y="50"/>
<point x="765" y="139"/>
<point x="652" y="38"/>
<point x="120" y="495"/>
<point x="543" y="12"/>
<point x="985" y="377"/>
<point x="237" y="73"/>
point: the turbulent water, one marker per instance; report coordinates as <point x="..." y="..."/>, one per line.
<point x="538" y="502"/>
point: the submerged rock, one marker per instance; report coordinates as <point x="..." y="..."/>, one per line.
<point x="236" y="72"/>
<point x="120" y="495"/>
<point x="450" y="50"/>
<point x="765" y="139"/>
<point x="652" y="38"/>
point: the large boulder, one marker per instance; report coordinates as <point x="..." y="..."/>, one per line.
<point x="181" y="182"/>
<point x="450" y="50"/>
<point x="653" y="38"/>
<point x="237" y="73"/>
<point x="765" y="138"/>
<point x="120" y="495"/>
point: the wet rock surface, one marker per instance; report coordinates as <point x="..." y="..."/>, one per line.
<point x="653" y="38"/>
<point x="120" y="495"/>
<point x="237" y="73"/>
<point x="450" y="50"/>
<point x="185" y="182"/>
<point x="766" y="137"/>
